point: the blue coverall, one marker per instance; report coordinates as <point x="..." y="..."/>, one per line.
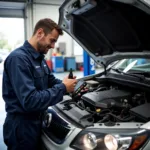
<point x="29" y="88"/>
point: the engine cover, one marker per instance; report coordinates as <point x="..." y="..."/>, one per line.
<point x="107" y="98"/>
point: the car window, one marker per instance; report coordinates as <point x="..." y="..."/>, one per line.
<point x="139" y="64"/>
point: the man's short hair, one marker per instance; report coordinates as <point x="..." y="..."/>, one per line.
<point x="47" y="25"/>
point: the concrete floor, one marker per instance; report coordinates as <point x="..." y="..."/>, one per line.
<point x="79" y="74"/>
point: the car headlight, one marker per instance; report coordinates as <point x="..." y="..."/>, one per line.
<point x="108" y="139"/>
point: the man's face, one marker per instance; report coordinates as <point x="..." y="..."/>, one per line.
<point x="47" y="42"/>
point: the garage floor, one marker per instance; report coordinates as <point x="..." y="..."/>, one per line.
<point x="79" y="74"/>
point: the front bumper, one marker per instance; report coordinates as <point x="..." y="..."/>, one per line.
<point x="48" y="144"/>
<point x="59" y="134"/>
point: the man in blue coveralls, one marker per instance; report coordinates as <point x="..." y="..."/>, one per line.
<point x="29" y="87"/>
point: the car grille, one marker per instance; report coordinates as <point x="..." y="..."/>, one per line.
<point x="58" y="129"/>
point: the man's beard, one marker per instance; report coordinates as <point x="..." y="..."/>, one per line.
<point x="43" y="49"/>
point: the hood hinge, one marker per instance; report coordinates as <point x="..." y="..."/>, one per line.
<point x="105" y="71"/>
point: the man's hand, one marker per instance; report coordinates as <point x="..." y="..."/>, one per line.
<point x="69" y="83"/>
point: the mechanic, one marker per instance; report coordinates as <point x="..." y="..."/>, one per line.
<point x="29" y="87"/>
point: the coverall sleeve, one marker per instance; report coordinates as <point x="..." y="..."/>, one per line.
<point x="21" y="77"/>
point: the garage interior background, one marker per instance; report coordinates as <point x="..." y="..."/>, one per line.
<point x="33" y="10"/>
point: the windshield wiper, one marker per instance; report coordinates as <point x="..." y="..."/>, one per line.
<point x="140" y="76"/>
<point x="146" y="74"/>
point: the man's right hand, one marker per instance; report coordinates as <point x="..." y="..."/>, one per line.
<point x="69" y="83"/>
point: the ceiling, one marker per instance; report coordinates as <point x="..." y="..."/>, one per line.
<point x="12" y="5"/>
<point x="20" y="4"/>
<point x="15" y="8"/>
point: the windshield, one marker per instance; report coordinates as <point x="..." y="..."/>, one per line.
<point x="134" y="64"/>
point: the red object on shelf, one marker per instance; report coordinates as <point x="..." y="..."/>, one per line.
<point x="81" y="68"/>
<point x="49" y="63"/>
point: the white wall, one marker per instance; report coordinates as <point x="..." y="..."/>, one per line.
<point x="44" y="9"/>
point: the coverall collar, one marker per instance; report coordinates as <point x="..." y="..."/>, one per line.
<point x="32" y="51"/>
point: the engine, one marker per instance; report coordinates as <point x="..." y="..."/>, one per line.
<point x="106" y="103"/>
<point x="107" y="98"/>
<point x="111" y="105"/>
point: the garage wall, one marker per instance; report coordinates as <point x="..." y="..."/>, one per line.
<point x="32" y="11"/>
<point x="9" y="9"/>
<point x="42" y="9"/>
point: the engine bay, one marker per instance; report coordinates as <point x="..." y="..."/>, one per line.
<point x="106" y="102"/>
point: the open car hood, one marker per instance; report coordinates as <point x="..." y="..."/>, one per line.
<point x="108" y="29"/>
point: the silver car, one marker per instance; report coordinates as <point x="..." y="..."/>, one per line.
<point x="109" y="110"/>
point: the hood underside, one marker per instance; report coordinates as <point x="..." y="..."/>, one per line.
<point x="108" y="29"/>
